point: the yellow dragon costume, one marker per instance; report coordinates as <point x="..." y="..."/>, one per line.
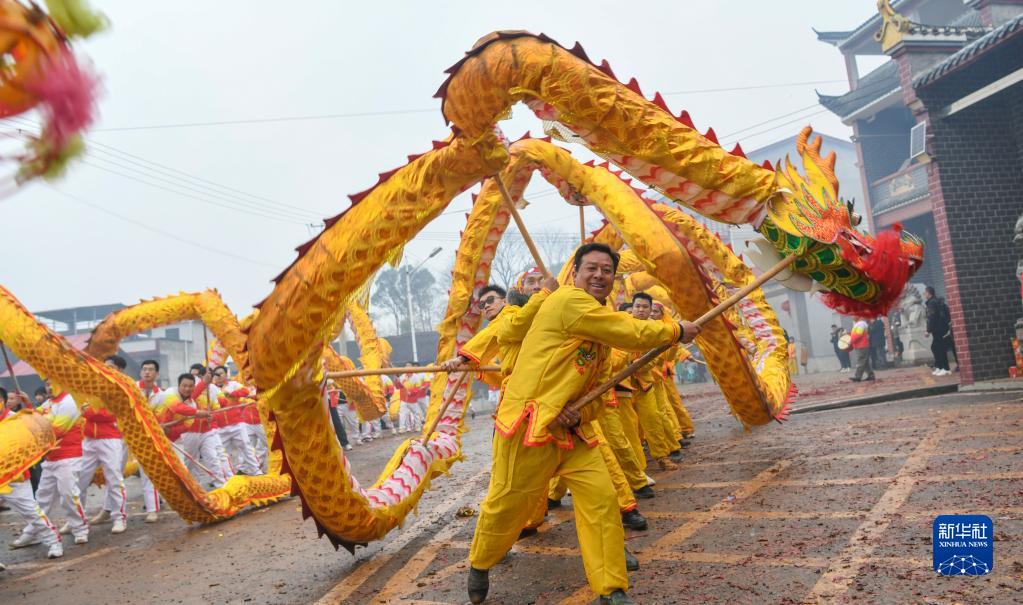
<point x="282" y="346"/>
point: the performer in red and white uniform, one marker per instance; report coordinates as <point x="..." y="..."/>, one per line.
<point x="58" y="485"/>
<point x="149" y="375"/>
<point x="194" y="434"/>
<point x="257" y="433"/>
<point x="231" y="426"/>
<point x="410" y="388"/>
<point x="103" y="447"/>
<point x="18" y="495"/>
<point x="385" y="421"/>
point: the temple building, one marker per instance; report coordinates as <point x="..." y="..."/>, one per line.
<point x="938" y="130"/>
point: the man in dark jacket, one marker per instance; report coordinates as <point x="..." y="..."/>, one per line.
<point x="939" y="328"/>
<point x="878" y="344"/>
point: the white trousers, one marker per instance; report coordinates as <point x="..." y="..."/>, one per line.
<point x="209" y="451"/>
<point x="257" y="435"/>
<point x="108" y="455"/>
<point x="58" y="494"/>
<point x="37" y="524"/>
<point x="410" y="416"/>
<point x="235" y="438"/>
<point x="149" y="494"/>
<point x="350" y="420"/>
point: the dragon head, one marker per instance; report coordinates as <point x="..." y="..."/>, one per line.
<point x="864" y="274"/>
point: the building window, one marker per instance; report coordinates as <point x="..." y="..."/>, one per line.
<point x="173" y="334"/>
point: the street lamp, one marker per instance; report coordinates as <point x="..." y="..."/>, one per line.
<point x="408" y="298"/>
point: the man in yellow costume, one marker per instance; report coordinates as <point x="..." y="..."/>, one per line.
<point x="651" y="403"/>
<point x="675" y="355"/>
<point x="564" y="354"/>
<point x="510" y="316"/>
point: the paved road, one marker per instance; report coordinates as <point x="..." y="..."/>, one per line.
<point x="830" y="507"/>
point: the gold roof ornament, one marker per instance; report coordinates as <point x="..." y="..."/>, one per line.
<point x="893" y="25"/>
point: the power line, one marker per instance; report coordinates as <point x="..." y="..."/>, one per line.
<point x="94" y="143"/>
<point x="393" y="112"/>
<point x="224" y="201"/>
<point x="753" y="87"/>
<point x="196" y="183"/>
<point x="195" y="197"/>
<point x="173" y="236"/>
<point x="774" y="119"/>
<point x="777" y="126"/>
<point x="328" y="116"/>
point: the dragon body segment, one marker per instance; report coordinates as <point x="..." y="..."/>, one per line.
<point x="585" y="103"/>
<point x="281" y="348"/>
<point x="92" y="382"/>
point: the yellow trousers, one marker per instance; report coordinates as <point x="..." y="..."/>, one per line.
<point x="612" y="421"/>
<point x="664" y="404"/>
<point x="656" y="428"/>
<point x="520" y="475"/>
<point x="623" y="488"/>
<point x="630" y="426"/>
<point x="685" y="421"/>
<point x="623" y="492"/>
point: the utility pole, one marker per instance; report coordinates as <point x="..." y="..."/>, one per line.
<point x="408" y="299"/>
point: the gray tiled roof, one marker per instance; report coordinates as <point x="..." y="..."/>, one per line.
<point x="871" y="87"/>
<point x="970" y="51"/>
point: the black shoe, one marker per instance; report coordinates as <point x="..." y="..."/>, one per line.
<point x="634" y="520"/>
<point x="553" y="503"/>
<point x="631" y="562"/>
<point x="617" y="597"/>
<point x="479" y="585"/>
<point x="684" y="443"/>
<point x="676" y="456"/>
<point x="870" y="378"/>
<point x="855" y="379"/>
<point x="528" y="531"/>
<point x="644" y="493"/>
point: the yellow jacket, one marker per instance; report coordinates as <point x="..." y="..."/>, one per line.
<point x="502" y="338"/>
<point x="482" y="348"/>
<point x="564" y="354"/>
<point x="512" y="332"/>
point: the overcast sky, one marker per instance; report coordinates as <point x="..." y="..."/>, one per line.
<point x="165" y="64"/>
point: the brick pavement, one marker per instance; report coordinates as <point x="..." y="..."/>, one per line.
<point x="831" y="507"/>
<point x="831" y="387"/>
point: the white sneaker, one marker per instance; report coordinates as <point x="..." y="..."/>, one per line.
<point x="56" y="551"/>
<point x="935" y="371"/>
<point x="943" y="373"/>
<point x="152" y="518"/>
<point x="81" y="539"/>
<point x="650" y="481"/>
<point x="65" y="529"/>
<point x="119" y="527"/>
<point x="24" y="540"/>
<point x="348" y="447"/>
<point x="99" y="519"/>
<point x="394" y="431"/>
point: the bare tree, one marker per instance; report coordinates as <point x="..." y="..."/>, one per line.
<point x="389" y="293"/>
<point x="511" y="259"/>
<point x="555" y="246"/>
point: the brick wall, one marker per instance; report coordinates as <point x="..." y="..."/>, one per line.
<point x="979" y="176"/>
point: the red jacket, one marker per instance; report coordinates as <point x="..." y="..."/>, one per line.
<point x="859" y="336"/>
<point x="252" y="415"/>
<point x="185" y="411"/>
<point x="100" y="424"/>
<point x="229" y="396"/>
<point x="67" y="425"/>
